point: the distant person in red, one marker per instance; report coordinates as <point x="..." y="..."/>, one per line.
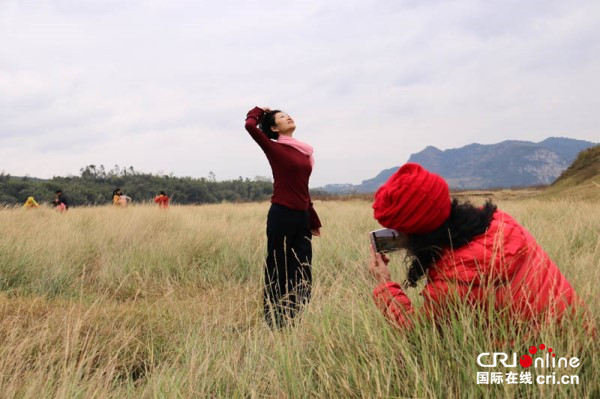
<point x="292" y="220"/>
<point x="162" y="199"/>
<point x="471" y="254"/>
<point x="60" y="202"/>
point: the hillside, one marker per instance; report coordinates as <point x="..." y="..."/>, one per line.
<point x="581" y="179"/>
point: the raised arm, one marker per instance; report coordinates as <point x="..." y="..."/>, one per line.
<point x="261" y="139"/>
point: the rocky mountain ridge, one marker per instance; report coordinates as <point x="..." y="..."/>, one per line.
<point x="511" y="163"/>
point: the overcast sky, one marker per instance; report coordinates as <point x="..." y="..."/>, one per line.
<point x="164" y="86"/>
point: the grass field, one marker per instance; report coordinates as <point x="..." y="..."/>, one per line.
<point x="103" y="302"/>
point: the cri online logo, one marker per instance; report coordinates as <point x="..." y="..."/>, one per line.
<point x="547" y="361"/>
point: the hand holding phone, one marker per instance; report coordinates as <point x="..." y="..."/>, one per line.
<point x="378" y="266"/>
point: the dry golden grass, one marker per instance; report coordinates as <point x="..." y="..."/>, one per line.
<point x="104" y="302"/>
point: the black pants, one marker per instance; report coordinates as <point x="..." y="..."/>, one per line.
<point x="288" y="276"/>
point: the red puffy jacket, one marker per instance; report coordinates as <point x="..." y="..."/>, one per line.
<point x="162" y="201"/>
<point x="505" y="264"/>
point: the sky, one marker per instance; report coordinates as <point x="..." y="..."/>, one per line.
<point x="164" y="86"/>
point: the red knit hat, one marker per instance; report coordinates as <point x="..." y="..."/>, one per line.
<point x="412" y="201"/>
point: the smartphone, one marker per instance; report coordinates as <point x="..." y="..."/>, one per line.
<point x="387" y="240"/>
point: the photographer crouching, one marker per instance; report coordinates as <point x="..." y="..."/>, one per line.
<point x="467" y="253"/>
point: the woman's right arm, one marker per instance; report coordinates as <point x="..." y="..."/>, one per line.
<point x="252" y="119"/>
<point x="388" y="296"/>
<point x="394" y="304"/>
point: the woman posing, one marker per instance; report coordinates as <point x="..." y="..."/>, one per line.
<point x="292" y="220"/>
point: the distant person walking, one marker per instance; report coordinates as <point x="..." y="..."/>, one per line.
<point x="119" y="200"/>
<point x="117" y="197"/>
<point x="292" y="220"/>
<point x="30" y="203"/>
<point x="60" y="202"/>
<point x="162" y="199"/>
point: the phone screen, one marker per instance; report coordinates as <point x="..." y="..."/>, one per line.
<point x="387" y="240"/>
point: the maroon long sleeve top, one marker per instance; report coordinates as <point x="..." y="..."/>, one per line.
<point x="291" y="170"/>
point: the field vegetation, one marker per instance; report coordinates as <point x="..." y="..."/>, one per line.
<point x="137" y="302"/>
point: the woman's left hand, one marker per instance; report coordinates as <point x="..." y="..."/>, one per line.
<point x="378" y="266"/>
<point x="316" y="232"/>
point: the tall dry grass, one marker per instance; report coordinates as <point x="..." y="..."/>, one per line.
<point x="104" y="302"/>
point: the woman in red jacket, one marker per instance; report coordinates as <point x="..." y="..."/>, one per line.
<point x="162" y="199"/>
<point x="292" y="220"/>
<point x="467" y="253"/>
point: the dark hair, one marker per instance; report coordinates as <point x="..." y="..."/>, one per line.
<point x="464" y="223"/>
<point x="116" y="191"/>
<point x="266" y="122"/>
<point x="162" y="193"/>
<point x="58" y="191"/>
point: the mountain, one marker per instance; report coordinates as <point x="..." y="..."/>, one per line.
<point x="511" y="163"/>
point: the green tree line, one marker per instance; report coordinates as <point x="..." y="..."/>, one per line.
<point x="95" y="185"/>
